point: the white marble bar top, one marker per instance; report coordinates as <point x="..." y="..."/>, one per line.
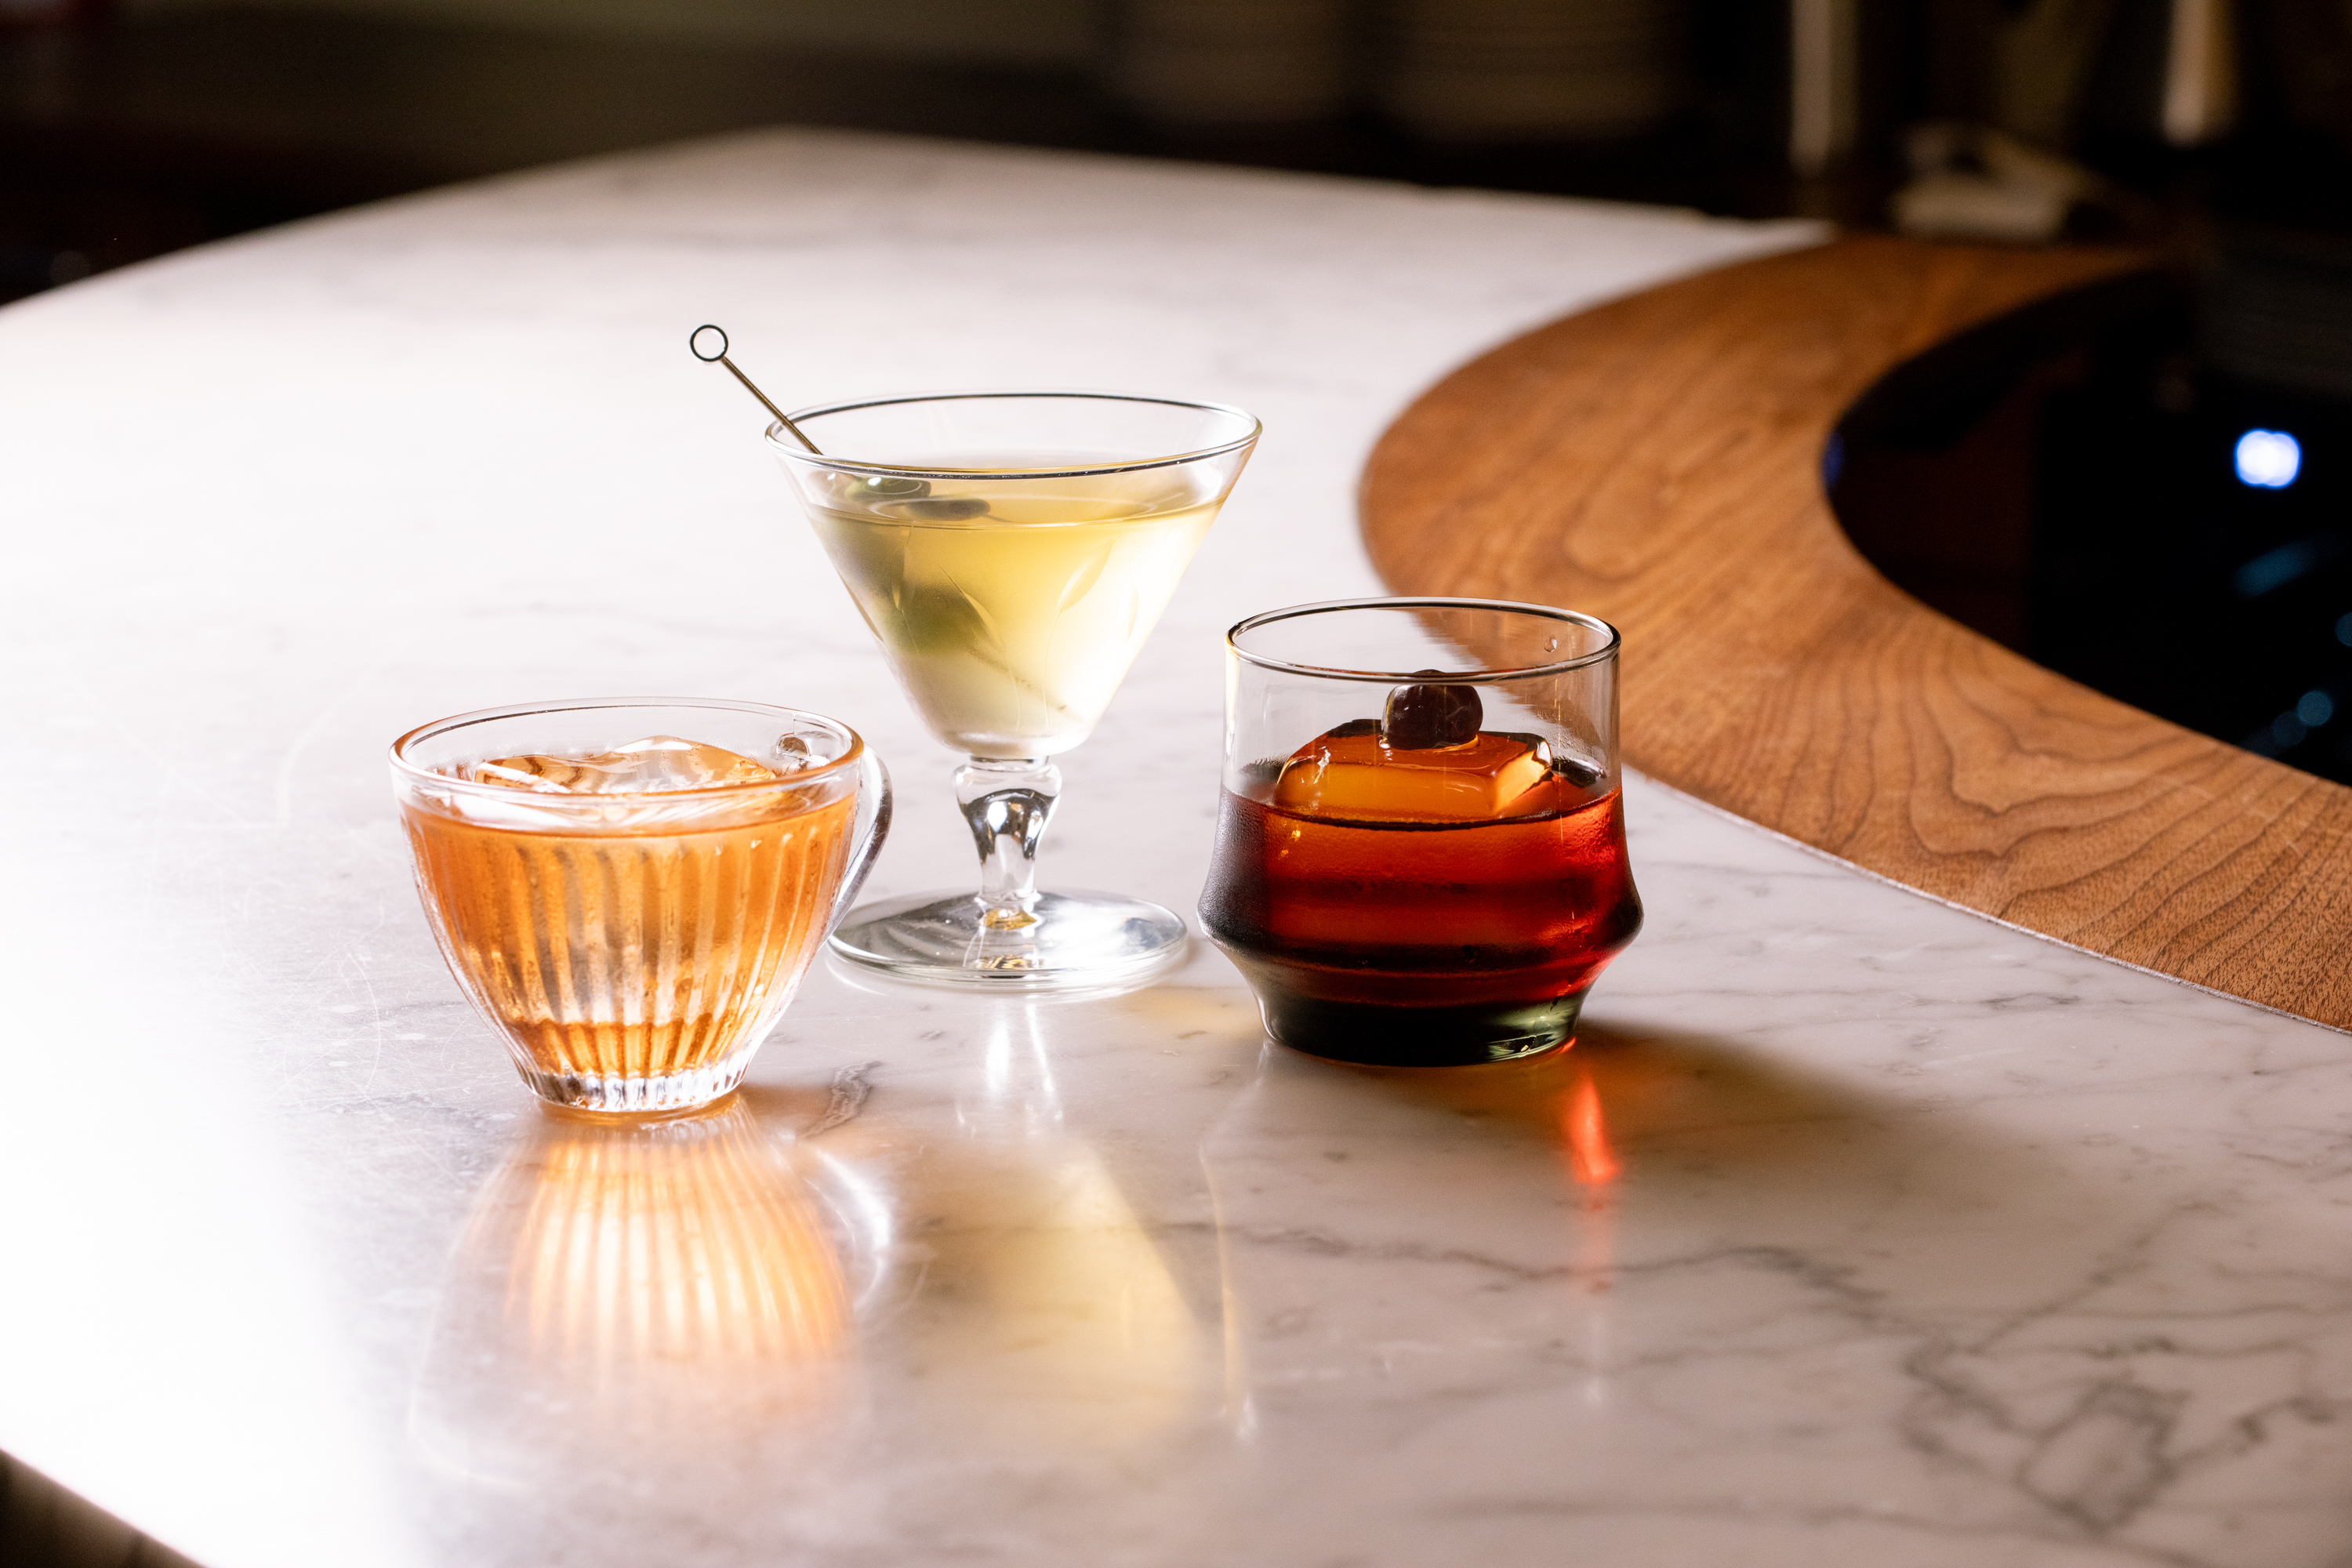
<point x="1856" y="1229"/>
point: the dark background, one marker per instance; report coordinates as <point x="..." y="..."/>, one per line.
<point x="127" y="130"/>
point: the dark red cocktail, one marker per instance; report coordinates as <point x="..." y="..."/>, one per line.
<point x="1426" y="888"/>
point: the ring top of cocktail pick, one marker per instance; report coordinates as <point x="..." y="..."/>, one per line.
<point x="694" y="343"/>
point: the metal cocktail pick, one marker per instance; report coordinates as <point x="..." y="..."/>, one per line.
<point x="718" y="356"/>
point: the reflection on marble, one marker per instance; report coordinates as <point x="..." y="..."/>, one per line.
<point x="1690" y="1299"/>
<point x="1855" y="1228"/>
<point x="1518" y="1158"/>
<point x="1048" y="1321"/>
<point x="1742" y="1292"/>
<point x="633" y="1302"/>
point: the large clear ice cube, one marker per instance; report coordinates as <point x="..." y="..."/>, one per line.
<point x="1352" y="774"/>
<point x="653" y="765"/>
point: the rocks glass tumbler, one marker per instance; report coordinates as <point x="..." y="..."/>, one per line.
<point x="634" y="946"/>
<point x="1421" y="853"/>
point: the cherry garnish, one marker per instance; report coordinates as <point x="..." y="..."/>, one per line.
<point x="1426" y="717"/>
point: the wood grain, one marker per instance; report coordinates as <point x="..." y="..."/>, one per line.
<point x="1657" y="461"/>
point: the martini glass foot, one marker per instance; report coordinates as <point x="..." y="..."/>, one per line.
<point x="1074" y="940"/>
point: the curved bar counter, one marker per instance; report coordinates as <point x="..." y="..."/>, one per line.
<point x="1658" y="461"/>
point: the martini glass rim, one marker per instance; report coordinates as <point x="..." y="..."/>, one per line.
<point x="784" y="445"/>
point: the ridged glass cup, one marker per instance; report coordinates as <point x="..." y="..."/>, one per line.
<point x="634" y="949"/>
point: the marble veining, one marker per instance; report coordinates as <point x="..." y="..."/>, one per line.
<point x="1855" y="1228"/>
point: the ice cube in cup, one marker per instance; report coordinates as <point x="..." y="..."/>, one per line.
<point x="1352" y="774"/>
<point x="653" y="765"/>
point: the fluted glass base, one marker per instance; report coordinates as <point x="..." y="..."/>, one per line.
<point x="657" y="1092"/>
<point x="1062" y="941"/>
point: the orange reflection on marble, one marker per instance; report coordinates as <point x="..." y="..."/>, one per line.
<point x="682" y="1243"/>
<point x="634" y="1296"/>
<point x="1585" y="1132"/>
<point x="1594" y="1164"/>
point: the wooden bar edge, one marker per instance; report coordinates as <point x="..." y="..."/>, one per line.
<point x="1657" y="461"/>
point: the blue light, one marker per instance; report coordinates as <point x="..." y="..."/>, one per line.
<point x="2315" y="709"/>
<point x="2277" y="568"/>
<point x="2269" y="459"/>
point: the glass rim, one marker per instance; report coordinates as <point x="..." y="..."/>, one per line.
<point x="477" y="787"/>
<point x="781" y="442"/>
<point x="1611" y="639"/>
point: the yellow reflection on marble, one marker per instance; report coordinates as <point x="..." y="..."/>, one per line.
<point x="636" y="1296"/>
<point x="1048" y="1313"/>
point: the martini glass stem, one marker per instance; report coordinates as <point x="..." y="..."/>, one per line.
<point x="1006" y="802"/>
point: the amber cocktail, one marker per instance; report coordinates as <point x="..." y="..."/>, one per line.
<point x="631" y="890"/>
<point x="1421" y="853"/>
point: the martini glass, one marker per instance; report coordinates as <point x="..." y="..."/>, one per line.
<point x="1011" y="551"/>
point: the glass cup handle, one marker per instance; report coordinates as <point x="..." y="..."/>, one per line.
<point x="873" y="813"/>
